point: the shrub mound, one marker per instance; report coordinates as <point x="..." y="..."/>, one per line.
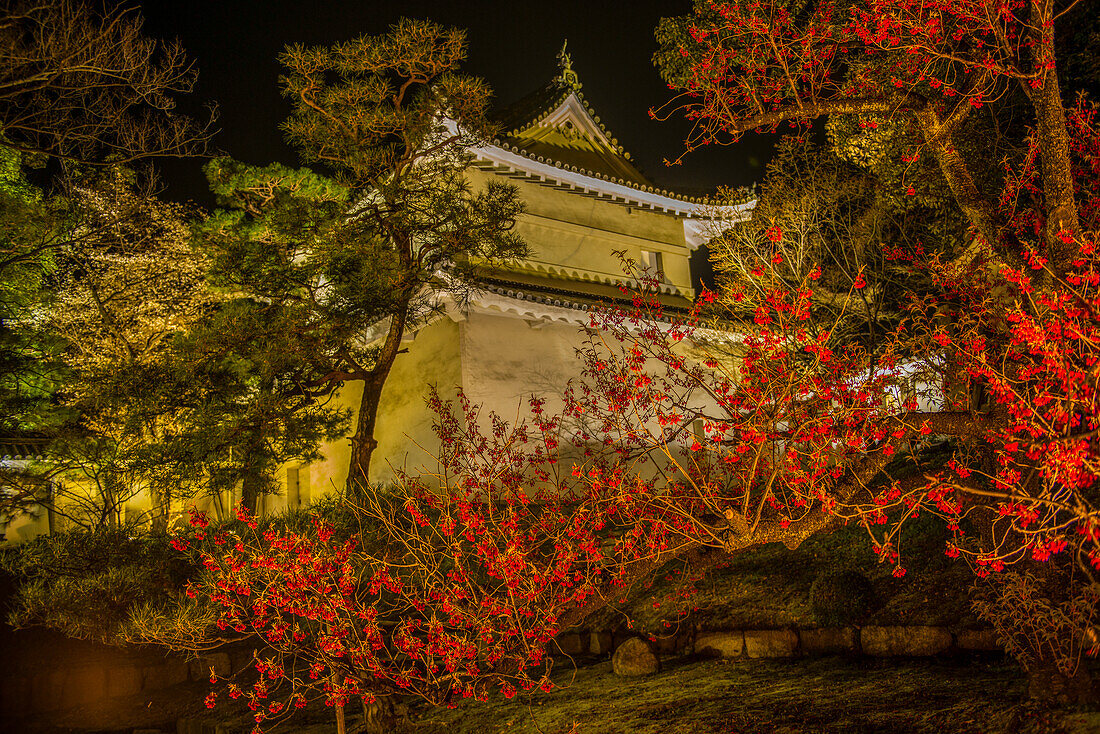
<point x="839" y="598"/>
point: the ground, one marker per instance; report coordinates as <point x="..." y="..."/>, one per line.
<point x="961" y="695"/>
<point x="765" y="588"/>
<point x="833" y="694"/>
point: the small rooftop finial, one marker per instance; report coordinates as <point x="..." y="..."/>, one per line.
<point x="568" y="77"/>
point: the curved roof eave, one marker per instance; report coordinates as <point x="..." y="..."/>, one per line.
<point x="702" y="220"/>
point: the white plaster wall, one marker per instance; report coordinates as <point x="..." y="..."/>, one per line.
<point x="322" y="477"/>
<point x="404" y="421"/>
<point x="25" y="527"/>
<point x="406" y="439"/>
<point x="506" y="360"/>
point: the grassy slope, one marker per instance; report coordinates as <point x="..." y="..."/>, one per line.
<point x="769" y="587"/>
<point x="758" y="696"/>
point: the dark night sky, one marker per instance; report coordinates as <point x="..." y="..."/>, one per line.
<point x="513" y="46"/>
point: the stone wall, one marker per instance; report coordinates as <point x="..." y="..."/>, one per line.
<point x="47" y="672"/>
<point x="874" y="641"/>
<point x="44" y="671"/>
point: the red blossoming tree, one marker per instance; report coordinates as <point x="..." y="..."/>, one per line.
<point x="1010" y="322"/>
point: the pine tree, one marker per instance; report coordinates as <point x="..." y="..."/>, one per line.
<point x="369" y="250"/>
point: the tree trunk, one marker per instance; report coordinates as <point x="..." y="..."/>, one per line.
<point x="378" y="717"/>
<point x="1053" y="139"/>
<point x="978" y="210"/>
<point x="255" y="459"/>
<point x="108" y="516"/>
<point x="363" y="442"/>
<point x="251" y="485"/>
<point x="51" y="515"/>
<point x="341" y="721"/>
<point x="161" y="507"/>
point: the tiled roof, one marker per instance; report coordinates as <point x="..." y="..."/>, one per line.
<point x="556" y="124"/>
<point x="553" y="136"/>
<point x="22" y="448"/>
<point x="541" y="302"/>
<point x="540" y="292"/>
<point x="524" y="128"/>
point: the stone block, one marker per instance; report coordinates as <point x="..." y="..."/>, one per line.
<point x="85" y="685"/>
<point x="977" y="640"/>
<point x="635" y="657"/>
<point x="196" y="670"/>
<point x="771" y="643"/>
<point x="720" y="644"/>
<point x="910" y="641"/>
<point x="198" y="726"/>
<point x="199" y="668"/>
<point x="165" y="674"/>
<point x="123" y="681"/>
<point x="52" y="691"/>
<point x="571" y="643"/>
<point x="828" y="640"/>
<point x="600" y="643"/>
<point x="46" y="690"/>
<point x="670" y="644"/>
<point x="15" y="695"/>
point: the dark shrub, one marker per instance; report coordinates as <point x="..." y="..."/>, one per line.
<point x="840" y="598"/>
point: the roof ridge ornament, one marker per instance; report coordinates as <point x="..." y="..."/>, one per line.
<point x="568" y="77"/>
